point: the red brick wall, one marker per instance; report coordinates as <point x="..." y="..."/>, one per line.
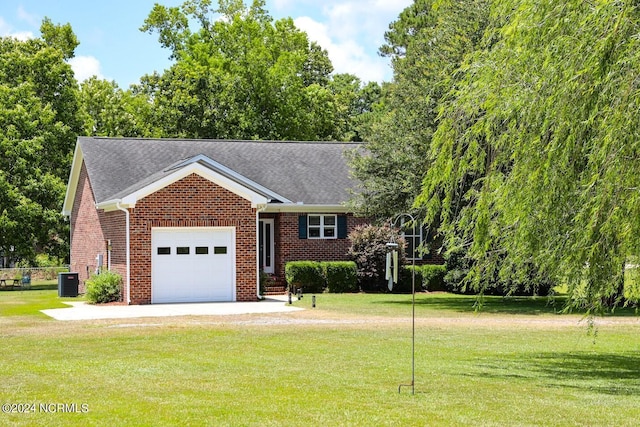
<point x="190" y="202"/>
<point x="289" y="247"/>
<point x="114" y="229"/>
<point x="90" y="230"/>
<point x="193" y="202"/>
<point x="87" y="238"/>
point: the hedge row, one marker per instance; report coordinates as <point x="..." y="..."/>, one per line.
<point x="342" y="277"/>
<point x="315" y="277"/>
<point x="428" y="278"/>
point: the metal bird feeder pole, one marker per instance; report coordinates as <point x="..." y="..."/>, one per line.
<point x="413" y="314"/>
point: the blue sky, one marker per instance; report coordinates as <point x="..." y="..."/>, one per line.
<point x="112" y="47"/>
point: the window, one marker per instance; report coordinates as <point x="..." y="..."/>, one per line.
<point x="164" y="251"/>
<point x="182" y="250"/>
<point x="322" y="226"/>
<point x="202" y="250"/>
<point x="413" y="237"/>
<point x="220" y="250"/>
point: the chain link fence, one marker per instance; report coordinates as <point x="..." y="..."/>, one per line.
<point x="35" y="273"/>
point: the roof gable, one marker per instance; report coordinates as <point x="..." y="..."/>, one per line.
<point x="243" y="188"/>
<point x="287" y="173"/>
<point x="232" y="175"/>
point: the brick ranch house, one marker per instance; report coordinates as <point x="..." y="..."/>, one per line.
<point x="197" y="220"/>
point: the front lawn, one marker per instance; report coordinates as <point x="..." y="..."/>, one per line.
<point x="28" y="302"/>
<point x="337" y="364"/>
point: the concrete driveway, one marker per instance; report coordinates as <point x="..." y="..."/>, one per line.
<point x="84" y="311"/>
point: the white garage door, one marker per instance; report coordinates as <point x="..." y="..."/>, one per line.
<point x="192" y="264"/>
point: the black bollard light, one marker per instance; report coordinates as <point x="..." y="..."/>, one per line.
<point x="313" y="301"/>
<point x="290" y="298"/>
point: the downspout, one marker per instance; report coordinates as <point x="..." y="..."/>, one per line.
<point x="126" y="215"/>
<point x="109" y="254"/>
<point x="259" y="208"/>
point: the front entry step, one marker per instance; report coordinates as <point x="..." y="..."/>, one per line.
<point x="275" y="290"/>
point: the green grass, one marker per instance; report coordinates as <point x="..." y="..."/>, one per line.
<point x="29" y="302"/>
<point x="444" y="304"/>
<point x="337" y="364"/>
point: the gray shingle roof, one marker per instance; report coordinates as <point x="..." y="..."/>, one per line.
<point x="308" y="172"/>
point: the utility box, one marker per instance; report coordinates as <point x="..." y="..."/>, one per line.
<point x="68" y="284"/>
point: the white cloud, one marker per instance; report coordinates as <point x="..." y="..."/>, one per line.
<point x="282" y="4"/>
<point x="366" y="20"/>
<point x="346" y="54"/>
<point x="22" y="35"/>
<point x="7" y="31"/>
<point x="352" y="32"/>
<point x="85" y="67"/>
<point x="317" y="31"/>
<point x="31" y="19"/>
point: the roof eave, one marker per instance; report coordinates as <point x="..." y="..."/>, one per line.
<point x="74" y="178"/>
<point x="306" y="208"/>
<point x="112" y="205"/>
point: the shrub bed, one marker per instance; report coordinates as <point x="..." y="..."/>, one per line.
<point x="306" y="275"/>
<point x="433" y="277"/>
<point x="404" y="284"/>
<point x="341" y="276"/>
<point x="104" y="287"/>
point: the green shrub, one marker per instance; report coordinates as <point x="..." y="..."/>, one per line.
<point x="369" y="251"/>
<point x="306" y="275"/>
<point x="457" y="266"/>
<point x="433" y="277"/>
<point x="404" y="285"/>
<point x="46" y="260"/>
<point x="632" y="284"/>
<point x="341" y="276"/>
<point x="265" y="281"/>
<point x="104" y="287"/>
<point x="428" y="278"/>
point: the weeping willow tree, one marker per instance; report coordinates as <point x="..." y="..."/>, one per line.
<point x="535" y="164"/>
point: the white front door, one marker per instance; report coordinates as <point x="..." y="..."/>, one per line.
<point x="265" y="236"/>
<point x="195" y="264"/>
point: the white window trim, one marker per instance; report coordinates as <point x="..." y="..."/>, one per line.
<point x="322" y="226"/>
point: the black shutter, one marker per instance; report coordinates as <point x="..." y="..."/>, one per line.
<point x="342" y="227"/>
<point x="302" y="227"/>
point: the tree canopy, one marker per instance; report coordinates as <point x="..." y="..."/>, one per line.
<point x="511" y="127"/>
<point x="240" y="75"/>
<point x="535" y="158"/>
<point x="426" y="45"/>
<point x="39" y="123"/>
<point x="108" y="110"/>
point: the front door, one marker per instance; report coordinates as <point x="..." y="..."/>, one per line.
<point x="265" y="233"/>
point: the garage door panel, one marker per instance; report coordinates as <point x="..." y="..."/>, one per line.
<point x="192" y="269"/>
